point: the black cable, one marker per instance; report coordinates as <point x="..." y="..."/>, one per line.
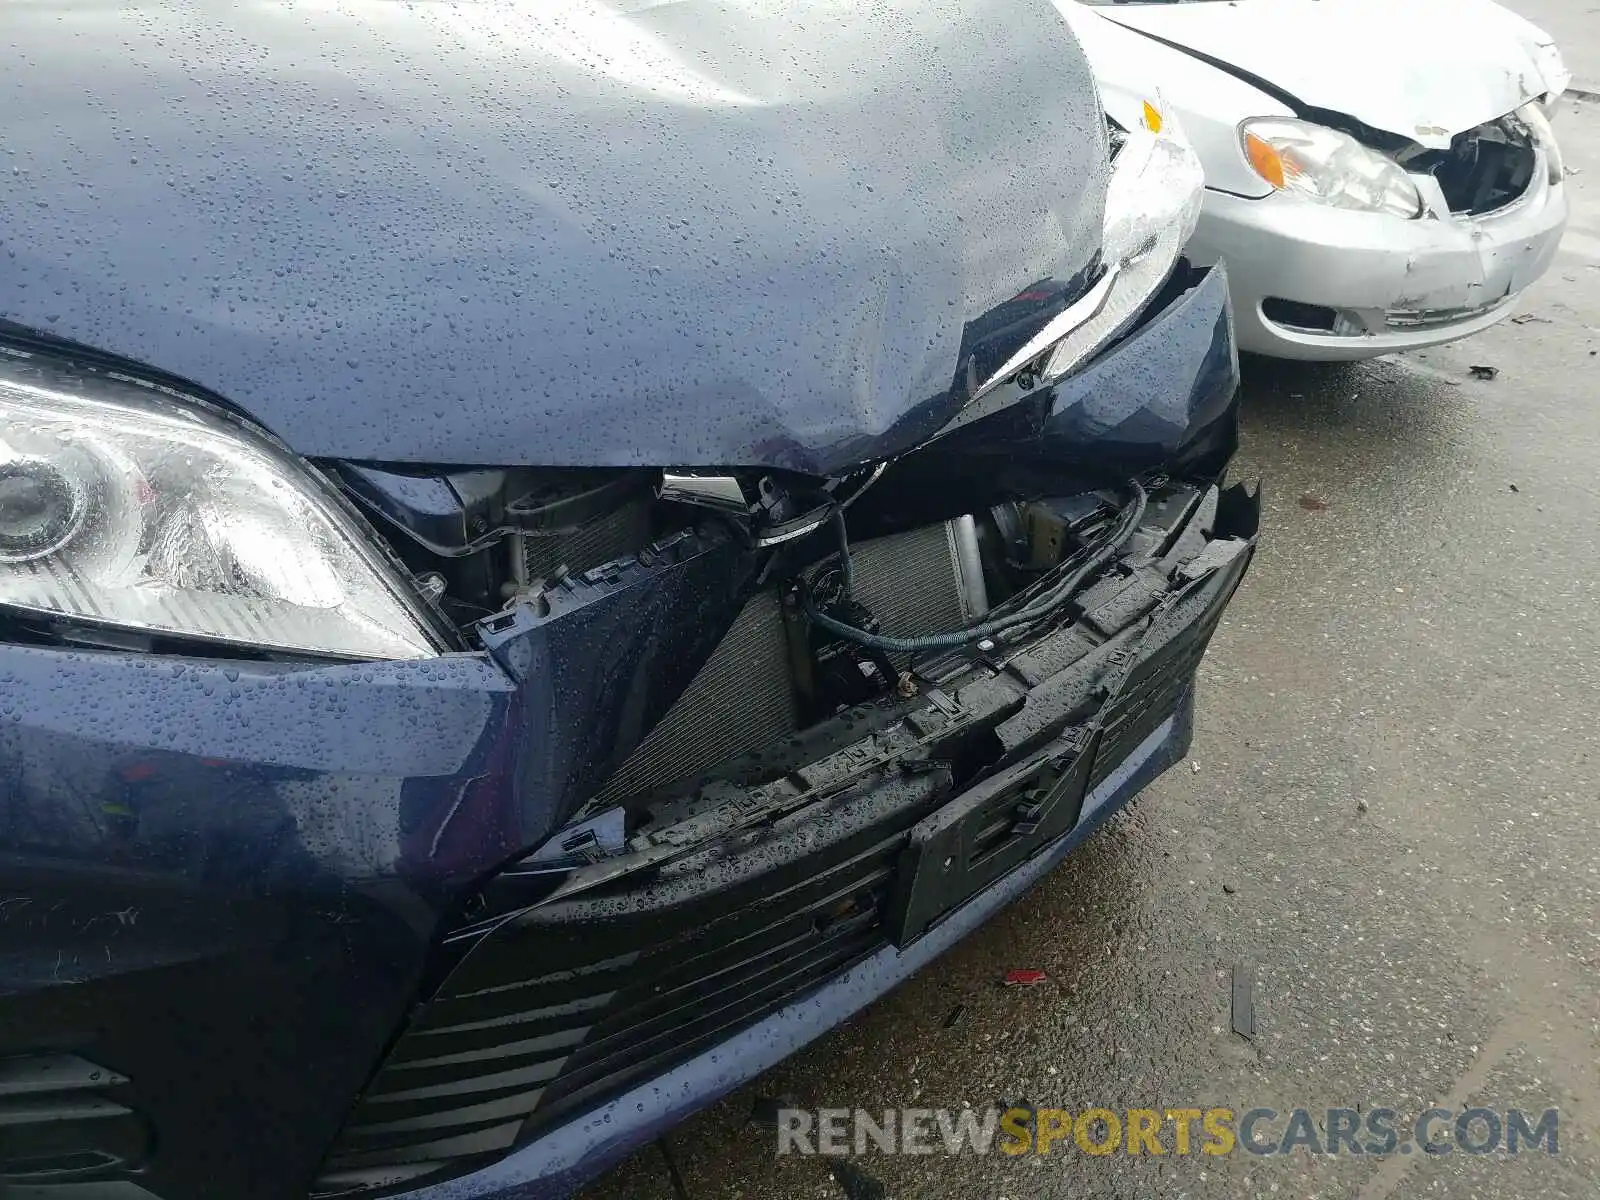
<point x="1039" y="607"/>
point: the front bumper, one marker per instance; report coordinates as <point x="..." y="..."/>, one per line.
<point x="222" y="883"/>
<point x="763" y="944"/>
<point x="561" y="1160"/>
<point x="1394" y="284"/>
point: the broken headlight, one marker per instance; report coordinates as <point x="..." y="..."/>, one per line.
<point x="1534" y="116"/>
<point x="121" y="506"/>
<point x="1152" y="205"/>
<point x="1325" y="164"/>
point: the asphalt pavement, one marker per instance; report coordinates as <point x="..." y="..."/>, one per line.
<point x="1389" y="818"/>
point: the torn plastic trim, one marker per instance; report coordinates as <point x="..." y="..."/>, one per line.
<point x="1023" y="693"/>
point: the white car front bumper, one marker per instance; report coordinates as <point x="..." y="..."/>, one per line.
<point x="1314" y="282"/>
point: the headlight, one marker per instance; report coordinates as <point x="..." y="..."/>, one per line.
<point x="1327" y="165"/>
<point x="1152" y="205"/>
<point x="1533" y="115"/>
<point x="121" y="506"/>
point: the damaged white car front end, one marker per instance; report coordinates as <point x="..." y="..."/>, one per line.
<point x="1379" y="177"/>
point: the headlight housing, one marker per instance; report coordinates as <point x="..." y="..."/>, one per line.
<point x="1152" y="206"/>
<point x="1537" y="119"/>
<point x="1328" y="165"/>
<point x="123" y="506"/>
<point x="1153" y="203"/>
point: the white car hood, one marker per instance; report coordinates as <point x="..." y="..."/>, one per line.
<point x="1425" y="69"/>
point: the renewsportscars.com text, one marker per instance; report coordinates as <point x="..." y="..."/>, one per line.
<point x="1377" y="1130"/>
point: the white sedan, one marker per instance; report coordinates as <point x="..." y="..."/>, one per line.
<point x="1380" y="174"/>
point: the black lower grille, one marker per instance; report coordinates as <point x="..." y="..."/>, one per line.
<point x="59" y="1123"/>
<point x="630" y="981"/>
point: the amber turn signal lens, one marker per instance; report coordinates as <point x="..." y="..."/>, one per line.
<point x="1264" y="157"/>
<point x="1152" y="117"/>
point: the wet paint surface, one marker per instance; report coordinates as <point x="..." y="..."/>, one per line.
<point x="549" y="234"/>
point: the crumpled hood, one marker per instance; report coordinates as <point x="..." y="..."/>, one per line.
<point x="564" y="233"/>
<point x="1425" y="69"/>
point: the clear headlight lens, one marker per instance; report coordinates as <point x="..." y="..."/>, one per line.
<point x="123" y="507"/>
<point x="1327" y="165"/>
<point x="1537" y="120"/>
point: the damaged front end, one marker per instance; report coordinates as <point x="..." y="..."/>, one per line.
<point x="712" y="759"/>
<point x="686" y="756"/>
<point x="784" y="724"/>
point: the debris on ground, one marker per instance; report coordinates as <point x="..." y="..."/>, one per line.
<point x="953" y="1018"/>
<point x="1479" y="372"/>
<point x="1313" y="503"/>
<point x="1229" y="888"/>
<point x="1361" y="805"/>
<point x="1025" y="977"/>
<point x="1514" y="487"/>
<point x="764" y="1112"/>
<point x="1530" y="319"/>
<point x="1244" y="1013"/>
<point x="857" y="1184"/>
<point x="679" y="1189"/>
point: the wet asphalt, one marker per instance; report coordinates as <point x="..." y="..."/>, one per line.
<point x="1390" y="813"/>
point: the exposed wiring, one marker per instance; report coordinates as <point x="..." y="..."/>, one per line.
<point x="847" y="570"/>
<point x="1040" y="606"/>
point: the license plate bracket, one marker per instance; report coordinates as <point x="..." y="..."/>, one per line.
<point x="989" y="831"/>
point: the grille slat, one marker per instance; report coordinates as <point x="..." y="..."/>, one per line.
<point x="710" y="975"/>
<point x="451" y="1081"/>
<point x="478" y="1045"/>
<point x="493" y="1010"/>
<point x="487" y="1139"/>
<point x="582" y="1085"/>
<point x="430" y="1117"/>
<point x="675" y="1010"/>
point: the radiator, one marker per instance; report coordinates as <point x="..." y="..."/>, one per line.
<point x="617" y="534"/>
<point x="925" y="581"/>
<point x="743" y="699"/>
<point x="739" y="701"/>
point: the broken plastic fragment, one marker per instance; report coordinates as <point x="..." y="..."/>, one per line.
<point x="1025" y="977"/>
